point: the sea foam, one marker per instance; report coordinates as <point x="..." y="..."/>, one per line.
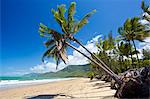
<point x="8" y="84"/>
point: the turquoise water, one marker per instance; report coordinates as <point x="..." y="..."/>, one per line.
<point x="23" y="78"/>
<point x="14" y="82"/>
<point x="10" y="78"/>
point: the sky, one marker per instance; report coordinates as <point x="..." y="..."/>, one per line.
<point x="22" y="47"/>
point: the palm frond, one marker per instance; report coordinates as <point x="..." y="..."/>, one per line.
<point x="49" y="43"/>
<point x="56" y="41"/>
<point x="63" y="56"/>
<point x="42" y="28"/>
<point x="123" y="49"/>
<point x="121" y="31"/>
<point x="63" y="24"/>
<point x="127" y="25"/>
<point x="61" y="53"/>
<point x="49" y="52"/>
<point x="56" y="16"/>
<point x="71" y="13"/>
<point x="61" y="11"/>
<point x="57" y="53"/>
<point x="60" y="20"/>
<point x="145" y="8"/>
<point x="83" y="21"/>
<point x="111" y="41"/>
<point x="105" y="45"/>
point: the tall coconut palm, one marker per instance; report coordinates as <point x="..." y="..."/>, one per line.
<point x="106" y="44"/>
<point x="105" y="48"/>
<point x="69" y="27"/>
<point x="122" y="50"/>
<point x="133" y="30"/>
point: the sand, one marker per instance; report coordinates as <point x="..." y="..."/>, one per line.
<point x="80" y="88"/>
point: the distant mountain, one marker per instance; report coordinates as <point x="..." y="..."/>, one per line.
<point x="32" y="75"/>
<point x="69" y="71"/>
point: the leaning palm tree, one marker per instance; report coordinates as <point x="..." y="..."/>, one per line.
<point x="58" y="42"/>
<point x="70" y="26"/>
<point x="133" y="30"/>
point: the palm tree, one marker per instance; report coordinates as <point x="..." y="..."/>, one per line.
<point x="106" y="44"/>
<point x="146" y="10"/>
<point x="123" y="50"/>
<point x="146" y="54"/>
<point x="133" y="30"/>
<point x="56" y="48"/>
<point x="105" y="48"/>
<point x="69" y="27"/>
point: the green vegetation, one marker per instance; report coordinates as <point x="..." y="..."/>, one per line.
<point x="58" y="42"/>
<point x="146" y="10"/>
<point x="70" y="71"/>
<point x="118" y="52"/>
<point x="115" y="55"/>
<point x="133" y="30"/>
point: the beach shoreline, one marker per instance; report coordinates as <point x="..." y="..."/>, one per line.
<point x="79" y="88"/>
<point x="11" y="84"/>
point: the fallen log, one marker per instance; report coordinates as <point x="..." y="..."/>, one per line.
<point x="136" y="84"/>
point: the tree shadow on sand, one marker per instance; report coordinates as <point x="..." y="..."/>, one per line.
<point x="94" y="97"/>
<point x="48" y="96"/>
<point x="90" y="92"/>
<point x="101" y="85"/>
<point x="52" y="96"/>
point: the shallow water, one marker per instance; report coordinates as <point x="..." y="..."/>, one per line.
<point x="8" y="84"/>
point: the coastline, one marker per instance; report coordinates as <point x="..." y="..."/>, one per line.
<point x="10" y="84"/>
<point x="79" y="88"/>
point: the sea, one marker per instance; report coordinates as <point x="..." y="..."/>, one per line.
<point x="15" y="82"/>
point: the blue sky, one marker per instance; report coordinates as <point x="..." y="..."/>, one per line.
<point x="21" y="45"/>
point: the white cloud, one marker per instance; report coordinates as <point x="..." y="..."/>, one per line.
<point x="77" y="59"/>
<point x="146" y="44"/>
<point x="143" y="45"/>
<point x="46" y="67"/>
<point x="74" y="59"/>
<point x="144" y="22"/>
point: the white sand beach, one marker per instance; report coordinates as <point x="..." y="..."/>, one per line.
<point x="80" y="88"/>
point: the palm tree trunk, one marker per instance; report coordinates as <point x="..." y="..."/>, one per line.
<point x="135" y="50"/>
<point x="94" y="56"/>
<point x="114" y="76"/>
<point x="122" y="63"/>
<point x="122" y="58"/>
<point x="131" y="53"/>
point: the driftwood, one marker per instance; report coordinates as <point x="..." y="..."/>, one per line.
<point x="136" y="84"/>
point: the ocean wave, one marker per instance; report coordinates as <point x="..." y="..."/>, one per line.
<point x="7" y="84"/>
